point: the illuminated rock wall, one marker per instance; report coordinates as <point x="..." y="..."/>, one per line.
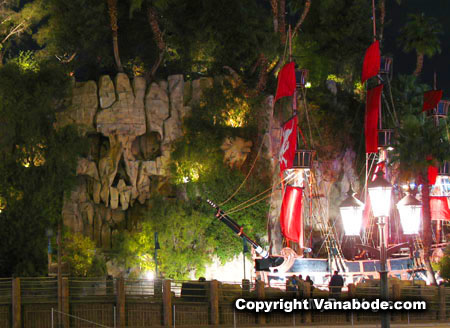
<point x="131" y="127"/>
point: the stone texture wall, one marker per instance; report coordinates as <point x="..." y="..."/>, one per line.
<point x="132" y="127"/>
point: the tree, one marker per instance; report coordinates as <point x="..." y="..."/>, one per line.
<point x="79" y="30"/>
<point x="80" y="253"/>
<point x="37" y="163"/>
<point x="16" y="21"/>
<point x="421" y="35"/>
<point x="419" y="144"/>
<point x="112" y="10"/>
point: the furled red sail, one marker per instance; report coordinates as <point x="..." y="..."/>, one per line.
<point x="291" y="215"/>
<point x="373" y="104"/>
<point x="288" y="144"/>
<point x="432" y="174"/>
<point x="371" y="64"/>
<point x="431" y="99"/>
<point x="439" y="208"/>
<point x="286" y="81"/>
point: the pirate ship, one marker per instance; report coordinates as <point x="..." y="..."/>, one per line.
<point x="354" y="246"/>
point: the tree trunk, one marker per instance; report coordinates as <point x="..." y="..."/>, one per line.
<point x="427" y="240"/>
<point x="274" y="4"/>
<point x="302" y="17"/>
<point x="112" y="9"/>
<point x="282" y="21"/>
<point x="1" y="58"/>
<point x="419" y="64"/>
<point x="158" y="37"/>
<point x="382" y="17"/>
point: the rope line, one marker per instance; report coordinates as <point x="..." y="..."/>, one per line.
<point x="248" y="174"/>
<point x="239" y="207"/>
<point x="73" y="316"/>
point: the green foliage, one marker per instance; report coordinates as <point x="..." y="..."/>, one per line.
<point x="181" y="231"/>
<point x="416" y="130"/>
<point x="421" y="35"/>
<point x="80" y="27"/>
<point x="37" y="164"/>
<point x="221" y="40"/>
<point x="26" y="61"/>
<point x="428" y="142"/>
<point x="333" y="39"/>
<point x="444" y="265"/>
<point x="80" y="253"/>
<point x="335" y="121"/>
<point x="188" y="233"/>
<point x="17" y="20"/>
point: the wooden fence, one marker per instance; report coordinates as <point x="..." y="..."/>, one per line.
<point x="33" y="302"/>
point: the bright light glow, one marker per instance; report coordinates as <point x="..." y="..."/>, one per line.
<point x="380" y="198"/>
<point x="150" y="275"/>
<point x="352" y="219"/>
<point x="351" y="210"/>
<point x="410" y="217"/>
<point x="380" y="195"/>
<point x="185" y="179"/>
<point x="308" y="85"/>
<point x="410" y="210"/>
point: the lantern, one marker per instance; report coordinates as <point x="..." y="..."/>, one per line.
<point x="410" y="210"/>
<point x="380" y="195"/>
<point x="352" y="214"/>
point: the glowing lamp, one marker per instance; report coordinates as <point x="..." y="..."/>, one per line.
<point x="410" y="210"/>
<point x="352" y="213"/>
<point x="380" y="195"/>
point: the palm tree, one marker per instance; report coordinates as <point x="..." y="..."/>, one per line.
<point x="112" y="9"/>
<point x="421" y="34"/>
<point x="430" y="147"/>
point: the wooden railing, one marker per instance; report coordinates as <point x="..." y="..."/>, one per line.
<point x="33" y="302"/>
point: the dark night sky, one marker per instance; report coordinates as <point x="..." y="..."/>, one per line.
<point x="405" y="63"/>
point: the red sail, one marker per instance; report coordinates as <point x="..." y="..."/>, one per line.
<point x="431" y="99"/>
<point x="439" y="208"/>
<point x="291" y="215"/>
<point x="371" y="65"/>
<point x="288" y="144"/>
<point x="371" y="120"/>
<point x="432" y="174"/>
<point x="286" y="81"/>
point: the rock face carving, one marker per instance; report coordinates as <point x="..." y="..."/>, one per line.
<point x="134" y="126"/>
<point x="236" y="151"/>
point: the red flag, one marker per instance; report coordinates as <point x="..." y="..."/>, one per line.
<point x="371" y="120"/>
<point x="291" y="215"/>
<point x="288" y="144"/>
<point x="286" y="81"/>
<point x="431" y="99"/>
<point x="371" y="65"/>
<point x="439" y="208"/>
<point x="432" y="174"/>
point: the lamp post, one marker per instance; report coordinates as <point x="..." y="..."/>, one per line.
<point x="351" y="210"/>
<point x="49" y="235"/>
<point x="380" y="192"/>
<point x="156" y="254"/>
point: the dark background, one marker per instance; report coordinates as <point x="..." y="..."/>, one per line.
<point x="397" y="16"/>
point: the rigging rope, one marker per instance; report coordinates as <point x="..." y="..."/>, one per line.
<point x="239" y="207"/>
<point x="248" y="174"/>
